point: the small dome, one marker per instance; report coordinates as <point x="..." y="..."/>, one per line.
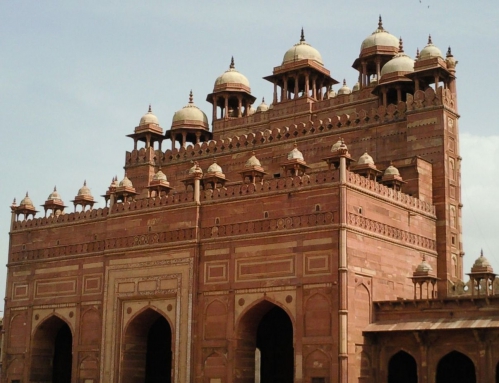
<point x="331" y="93"/>
<point x="295" y="154"/>
<point x="365" y="159"/>
<point x="214" y="168"/>
<point x="356" y="87"/>
<point x="430" y="50"/>
<point x="338" y="144"/>
<point x="263" y="107"/>
<point x="380" y="37"/>
<point x="391" y="171"/>
<point x="399" y="63"/>
<point x="159" y="176"/>
<point x="149" y="118"/>
<point x="251" y="111"/>
<point x="54" y="195"/>
<point x="481" y="261"/>
<point x="195" y="168"/>
<point x="232" y="76"/>
<point x="424" y="267"/>
<point x="344" y="89"/>
<point x="84" y="190"/>
<point x="125" y="182"/>
<point x="26" y="201"/>
<point x="252" y="161"/>
<point x="190" y="112"/>
<point x="302" y="51"/>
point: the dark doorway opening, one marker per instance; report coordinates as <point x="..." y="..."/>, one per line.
<point x="265" y="352"/>
<point x="402" y="368"/>
<point x="147" y="349"/>
<point x="52" y="355"/>
<point x="455" y="368"/>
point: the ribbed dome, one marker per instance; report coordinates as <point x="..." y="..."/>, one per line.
<point x="190" y="112"/>
<point x="125" y="182"/>
<point x="252" y="161"/>
<point x="391" y="171"/>
<point x="481" y="261"/>
<point x="295" y="154"/>
<point x="263" y="107"/>
<point x="195" y="168"/>
<point x="430" y="50"/>
<point x="337" y="145"/>
<point x="232" y="76"/>
<point x="26" y="201"/>
<point x="159" y="176"/>
<point x="214" y="168"/>
<point x="356" y="87"/>
<point x="365" y="159"/>
<point x="149" y="118"/>
<point x="54" y="195"/>
<point x="344" y="89"/>
<point x="302" y="51"/>
<point x="424" y="267"/>
<point x="84" y="190"/>
<point x="380" y="37"/>
<point x="331" y="93"/>
<point x="399" y="63"/>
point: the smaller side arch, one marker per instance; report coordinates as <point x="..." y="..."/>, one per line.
<point x="402" y="368"/>
<point x="455" y="367"/>
<point x="318" y="365"/>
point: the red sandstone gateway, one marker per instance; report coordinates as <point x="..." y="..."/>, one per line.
<point x="316" y="239"/>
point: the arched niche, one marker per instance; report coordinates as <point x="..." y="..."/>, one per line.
<point x="317" y="316"/>
<point x="402" y="368"/>
<point x="215" y="322"/>
<point x="455" y="367"/>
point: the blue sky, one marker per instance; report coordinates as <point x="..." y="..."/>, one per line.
<point x="76" y="76"/>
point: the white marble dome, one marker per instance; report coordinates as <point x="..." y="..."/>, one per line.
<point x="380" y="37"/>
<point x="54" y="195"/>
<point x="252" y="161"/>
<point x="190" y="112"/>
<point x="365" y="159"/>
<point x="399" y="63"/>
<point x="301" y="51"/>
<point x="159" y="176"/>
<point x="263" y="107"/>
<point x="344" y="89"/>
<point x="149" y="118"/>
<point x="232" y="76"/>
<point x="214" y="168"/>
<point x="391" y="171"/>
<point x="84" y="190"/>
<point x="430" y="51"/>
<point x="295" y="154"/>
<point x="125" y="182"/>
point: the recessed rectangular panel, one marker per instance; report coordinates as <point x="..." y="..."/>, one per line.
<point x="263" y="268"/>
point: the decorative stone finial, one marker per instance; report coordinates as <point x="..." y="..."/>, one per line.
<point x="232" y="63"/>
<point x="481" y="252"/>
<point x="263" y="99"/>
<point x="55" y="188"/>
<point x="302" y="36"/>
<point x="449" y="52"/>
<point x="417" y="53"/>
<point x="344" y="82"/>
<point x="85" y="183"/>
<point x="380" y="23"/>
<point x="190" y="97"/>
<point x="14" y="202"/>
<point x="429" y="40"/>
<point x="150" y="110"/>
<point x="401" y="45"/>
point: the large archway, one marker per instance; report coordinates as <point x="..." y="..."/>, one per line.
<point x="402" y="368"/>
<point x="454" y="368"/>
<point x="51" y="352"/>
<point x="147" y="349"/>
<point x="265" y="343"/>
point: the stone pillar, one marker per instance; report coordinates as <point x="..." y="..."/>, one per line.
<point x="240" y="106"/>
<point x="343" y="280"/>
<point x="226" y="108"/>
<point x="285" y="89"/>
<point x="275" y="92"/>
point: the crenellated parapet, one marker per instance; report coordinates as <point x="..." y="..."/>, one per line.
<point x="61" y="219"/>
<point x="372" y="187"/>
<point x="429" y="98"/>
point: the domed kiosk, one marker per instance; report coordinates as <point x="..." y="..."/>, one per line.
<point x="301" y="74"/>
<point x="189" y="124"/>
<point x="231" y="94"/>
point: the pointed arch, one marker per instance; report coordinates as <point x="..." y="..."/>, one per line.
<point x="317" y="316"/>
<point x="318" y="365"/>
<point x="362" y="311"/>
<point x="215" y="323"/>
<point x="89" y="368"/>
<point x="147" y="347"/>
<point x="17" y="333"/>
<point x="52" y="350"/>
<point x="215" y="366"/>
<point x="90" y="327"/>
<point x="267" y="326"/>
<point x="402" y="368"/>
<point x="455" y="367"/>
